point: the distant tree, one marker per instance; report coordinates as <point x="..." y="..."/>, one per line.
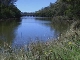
<point x="54" y="9"/>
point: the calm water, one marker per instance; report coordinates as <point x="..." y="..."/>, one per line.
<point x="28" y="29"/>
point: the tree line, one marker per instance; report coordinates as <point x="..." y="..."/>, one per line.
<point x="70" y="8"/>
<point x="8" y="9"/>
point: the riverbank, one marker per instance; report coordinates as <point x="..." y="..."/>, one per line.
<point x="9" y="19"/>
<point x="66" y="47"/>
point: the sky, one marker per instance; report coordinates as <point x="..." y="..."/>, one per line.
<point x="32" y="5"/>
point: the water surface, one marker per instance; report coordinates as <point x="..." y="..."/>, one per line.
<point x="28" y="29"/>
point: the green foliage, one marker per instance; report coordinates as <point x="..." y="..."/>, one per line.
<point x="8" y="9"/>
<point x="7" y="2"/>
<point x="73" y="8"/>
<point x="70" y="8"/>
<point x="54" y="9"/>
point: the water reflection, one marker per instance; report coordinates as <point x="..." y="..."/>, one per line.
<point x="22" y="31"/>
<point x="59" y="26"/>
<point x="7" y="30"/>
<point x="31" y="29"/>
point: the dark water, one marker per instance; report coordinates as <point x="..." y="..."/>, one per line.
<point x="27" y="29"/>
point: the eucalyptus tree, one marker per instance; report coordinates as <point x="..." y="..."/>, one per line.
<point x="8" y="9"/>
<point x="73" y="8"/>
<point x="7" y="2"/>
<point x="54" y="9"/>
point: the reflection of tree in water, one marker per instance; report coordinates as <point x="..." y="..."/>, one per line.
<point x="43" y="18"/>
<point x="59" y="26"/>
<point x="7" y="30"/>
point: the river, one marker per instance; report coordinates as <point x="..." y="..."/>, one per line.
<point x="28" y="29"/>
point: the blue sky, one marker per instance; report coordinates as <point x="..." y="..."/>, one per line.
<point x="32" y="5"/>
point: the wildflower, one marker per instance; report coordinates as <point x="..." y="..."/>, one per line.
<point x="45" y="53"/>
<point x="50" y="50"/>
<point x="70" y="43"/>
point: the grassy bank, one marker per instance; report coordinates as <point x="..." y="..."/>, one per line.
<point x="66" y="47"/>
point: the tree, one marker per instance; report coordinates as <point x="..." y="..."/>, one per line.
<point x="7" y="2"/>
<point x="73" y="8"/>
<point x="54" y="9"/>
<point x="8" y="9"/>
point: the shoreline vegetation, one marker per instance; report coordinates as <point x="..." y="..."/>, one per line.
<point x="65" y="47"/>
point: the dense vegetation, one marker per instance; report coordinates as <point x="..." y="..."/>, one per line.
<point x="8" y="9"/>
<point x="70" y="8"/>
<point x="73" y="8"/>
<point x="53" y="9"/>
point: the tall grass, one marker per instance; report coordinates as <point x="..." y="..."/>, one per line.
<point x="66" y="47"/>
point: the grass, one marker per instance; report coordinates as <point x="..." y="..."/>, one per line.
<point x="66" y="47"/>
